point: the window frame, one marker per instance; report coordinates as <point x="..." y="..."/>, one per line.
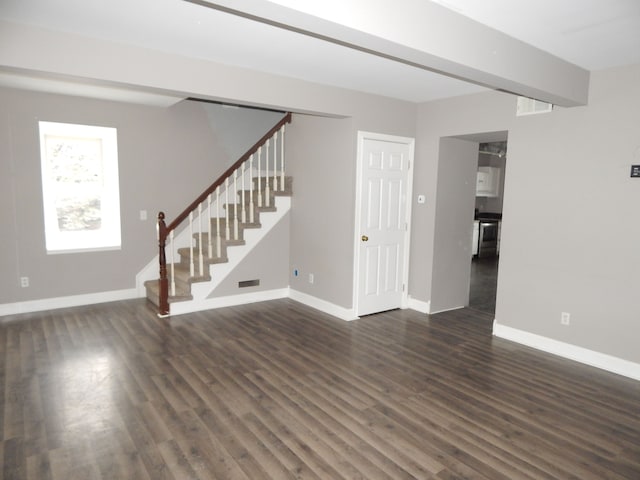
<point x="108" y="236"/>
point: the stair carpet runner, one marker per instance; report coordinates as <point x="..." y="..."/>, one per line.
<point x="183" y="278"/>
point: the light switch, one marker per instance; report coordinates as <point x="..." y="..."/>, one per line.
<point x="421" y="199"/>
<point x="143" y="214"/>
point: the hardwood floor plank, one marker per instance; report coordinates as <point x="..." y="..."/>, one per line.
<point x="249" y="452"/>
<point x="276" y="390"/>
<point x="177" y="461"/>
<point x="294" y="387"/>
<point x="39" y="467"/>
<point x="14" y="463"/>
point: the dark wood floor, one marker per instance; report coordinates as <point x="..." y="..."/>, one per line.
<point x="483" y="284"/>
<point x="276" y="390"/>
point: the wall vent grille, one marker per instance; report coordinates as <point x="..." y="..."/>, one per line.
<point x="530" y="106"/>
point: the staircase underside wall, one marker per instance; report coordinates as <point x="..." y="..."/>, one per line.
<point x="268" y="263"/>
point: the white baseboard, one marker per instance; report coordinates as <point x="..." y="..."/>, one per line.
<point x="64" y="302"/>
<point x="419" y="305"/>
<point x="562" y="349"/>
<point x="347" y="314"/>
<point x="448" y="309"/>
<point x="180" y="308"/>
<point x="566" y="350"/>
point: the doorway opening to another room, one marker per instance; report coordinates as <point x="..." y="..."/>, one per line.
<point x="487" y="225"/>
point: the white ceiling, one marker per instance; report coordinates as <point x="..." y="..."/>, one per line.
<point x="593" y="34"/>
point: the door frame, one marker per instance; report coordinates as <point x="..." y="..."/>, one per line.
<point x="362" y="137"/>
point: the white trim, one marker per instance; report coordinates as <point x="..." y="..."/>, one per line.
<point x="448" y="309"/>
<point x="567" y="350"/>
<point x="410" y="142"/>
<point x="179" y="308"/>
<point x="347" y="314"/>
<point x="65" y="302"/>
<point x="105" y="140"/>
<point x="419" y="305"/>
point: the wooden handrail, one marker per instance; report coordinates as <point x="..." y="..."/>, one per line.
<point x="180" y="218"/>
<point x="164" y="230"/>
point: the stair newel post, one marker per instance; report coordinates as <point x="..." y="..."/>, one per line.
<point x="259" y="176"/>
<point x="251" y="206"/>
<point x="226" y="195"/>
<point x="235" y="205"/>
<point x="163" y="299"/>
<point x="210" y="229"/>
<point x="282" y="159"/>
<point x="200" y="247"/>
<point x="266" y="176"/>
<point x="242" y="199"/>
<point x="191" y="264"/>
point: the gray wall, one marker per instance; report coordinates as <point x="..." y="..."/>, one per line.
<point x="454" y="211"/>
<point x="268" y="262"/>
<point x="469" y="114"/>
<point x="236" y="127"/>
<point x="321" y="154"/>
<point x="570" y="233"/>
<point x="166" y="158"/>
<point x="585" y="258"/>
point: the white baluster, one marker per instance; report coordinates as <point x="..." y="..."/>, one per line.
<point x="266" y="177"/>
<point x="191" y="266"/>
<point x="200" y="247"/>
<point x="173" y="265"/>
<point x="226" y="195"/>
<point x="275" y="161"/>
<point x="235" y="205"/>
<point x="251" y="206"/>
<point x="259" y="174"/>
<point x="244" y="209"/>
<point x="218" y="236"/>
<point x="210" y="228"/>
<point x="282" y="159"/>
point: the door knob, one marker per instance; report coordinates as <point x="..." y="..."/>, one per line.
<point x="365" y="238"/>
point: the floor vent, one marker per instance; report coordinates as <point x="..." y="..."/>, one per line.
<point x="248" y="283"/>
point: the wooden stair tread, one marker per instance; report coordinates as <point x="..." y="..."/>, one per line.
<point x="153" y="287"/>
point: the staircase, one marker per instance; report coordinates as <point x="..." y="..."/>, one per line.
<point x="218" y="221"/>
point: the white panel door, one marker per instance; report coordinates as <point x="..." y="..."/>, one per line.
<point x="383" y="224"/>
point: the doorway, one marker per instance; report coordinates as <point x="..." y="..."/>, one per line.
<point x="454" y="218"/>
<point x="483" y="280"/>
<point x="383" y="213"/>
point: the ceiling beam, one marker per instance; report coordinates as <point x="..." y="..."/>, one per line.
<point x="425" y="35"/>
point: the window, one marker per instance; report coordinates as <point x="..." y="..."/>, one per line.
<point x="80" y="187"/>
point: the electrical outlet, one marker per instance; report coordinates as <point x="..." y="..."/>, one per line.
<point x="565" y="318"/>
<point x="24" y="282"/>
<point x="311" y="278"/>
